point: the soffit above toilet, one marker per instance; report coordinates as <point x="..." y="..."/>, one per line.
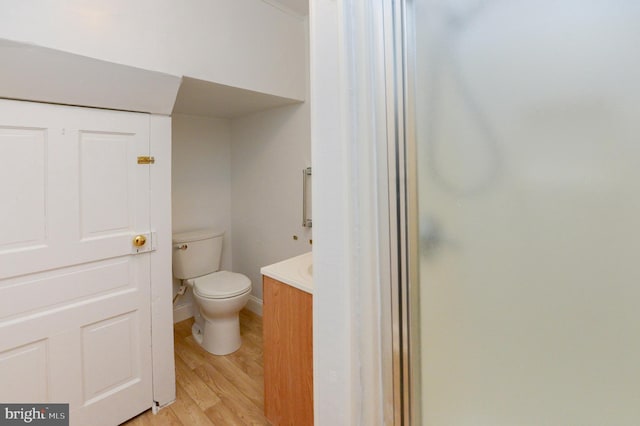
<point x="41" y="74"/>
<point x="35" y="73"/>
<point x="206" y="98"/>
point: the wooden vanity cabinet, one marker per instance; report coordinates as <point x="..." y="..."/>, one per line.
<point x="288" y="354"/>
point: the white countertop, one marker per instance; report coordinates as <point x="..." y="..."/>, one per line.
<point x="296" y="271"/>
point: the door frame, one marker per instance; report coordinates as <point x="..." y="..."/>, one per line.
<point x="360" y="351"/>
<point x="163" y="363"/>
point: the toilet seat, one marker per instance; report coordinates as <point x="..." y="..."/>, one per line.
<point x="221" y="285"/>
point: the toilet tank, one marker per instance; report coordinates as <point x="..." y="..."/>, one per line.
<point x="196" y="253"/>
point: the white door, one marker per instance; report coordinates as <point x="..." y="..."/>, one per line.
<point x="74" y="291"/>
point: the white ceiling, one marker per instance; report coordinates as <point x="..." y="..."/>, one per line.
<point x="300" y="7"/>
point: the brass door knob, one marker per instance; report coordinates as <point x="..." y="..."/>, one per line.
<point x="139" y="240"/>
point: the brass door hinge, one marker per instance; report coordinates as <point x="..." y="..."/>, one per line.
<point x="146" y="160"/>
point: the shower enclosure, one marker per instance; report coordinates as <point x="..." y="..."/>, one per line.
<point x="518" y="287"/>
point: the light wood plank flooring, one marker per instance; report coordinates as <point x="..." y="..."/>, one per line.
<point x="215" y="390"/>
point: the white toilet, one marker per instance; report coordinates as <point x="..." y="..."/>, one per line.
<point x="219" y="295"/>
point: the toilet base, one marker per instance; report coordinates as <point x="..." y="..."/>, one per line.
<point x="218" y="330"/>
<point x="220" y="336"/>
<point x="196" y="332"/>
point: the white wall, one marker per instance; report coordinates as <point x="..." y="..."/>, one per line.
<point x="268" y="152"/>
<point x="243" y="43"/>
<point x="201" y="178"/>
<point x="244" y="176"/>
<point x="332" y="298"/>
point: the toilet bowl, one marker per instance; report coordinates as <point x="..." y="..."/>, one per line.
<point x="219" y="295"/>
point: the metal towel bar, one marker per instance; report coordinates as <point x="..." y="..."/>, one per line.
<point x="306" y="221"/>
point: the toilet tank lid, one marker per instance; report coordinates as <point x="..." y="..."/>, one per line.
<point x="195" y="235"/>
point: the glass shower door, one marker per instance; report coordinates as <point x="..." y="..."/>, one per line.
<point x="527" y="133"/>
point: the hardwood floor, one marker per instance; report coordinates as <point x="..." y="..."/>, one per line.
<point x="215" y="390"/>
